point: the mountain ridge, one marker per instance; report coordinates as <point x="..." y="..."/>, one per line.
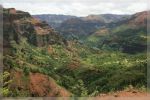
<point x="53" y="20"/>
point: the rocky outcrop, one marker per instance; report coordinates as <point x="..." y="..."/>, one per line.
<point x="19" y="24"/>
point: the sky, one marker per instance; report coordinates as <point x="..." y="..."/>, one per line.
<point x="77" y="7"/>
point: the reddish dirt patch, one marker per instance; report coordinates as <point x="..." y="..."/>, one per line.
<point x="102" y="32"/>
<point x="125" y="95"/>
<point x="130" y="93"/>
<point x="18" y="82"/>
<point x="42" y="85"/>
<point x="50" y="49"/>
<point x="74" y="64"/>
<point x="17" y="76"/>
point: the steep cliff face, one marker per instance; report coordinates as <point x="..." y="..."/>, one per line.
<point x="19" y="24"/>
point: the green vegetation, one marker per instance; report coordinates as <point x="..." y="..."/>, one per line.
<point x="123" y="38"/>
<point x="81" y="70"/>
<point x="5" y="78"/>
<point x="93" y="58"/>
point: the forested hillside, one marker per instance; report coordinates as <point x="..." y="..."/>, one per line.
<point x="39" y="61"/>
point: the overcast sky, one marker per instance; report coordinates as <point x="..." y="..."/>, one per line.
<point x="77" y="7"/>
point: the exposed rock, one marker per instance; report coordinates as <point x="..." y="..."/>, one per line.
<point x="19" y="24"/>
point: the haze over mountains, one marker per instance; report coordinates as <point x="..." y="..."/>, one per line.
<point x="56" y="20"/>
<point x="53" y="19"/>
<point x="69" y="25"/>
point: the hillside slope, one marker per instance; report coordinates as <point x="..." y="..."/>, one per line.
<point x="22" y="34"/>
<point x="128" y="36"/>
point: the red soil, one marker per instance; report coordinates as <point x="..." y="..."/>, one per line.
<point x="18" y="82"/>
<point x="42" y="85"/>
<point x="125" y="95"/>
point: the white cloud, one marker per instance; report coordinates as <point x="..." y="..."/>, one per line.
<point x="77" y="7"/>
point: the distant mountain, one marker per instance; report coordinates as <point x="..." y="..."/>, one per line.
<point x="79" y="27"/>
<point x="129" y="35"/>
<point x="139" y="19"/>
<point x="53" y="19"/>
<point x="89" y="24"/>
<point x="67" y="24"/>
<point x="132" y="35"/>
<point x="109" y="28"/>
<point x="107" y="18"/>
